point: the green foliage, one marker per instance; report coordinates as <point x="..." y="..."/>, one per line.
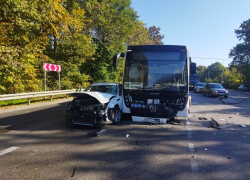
<point x="200" y="71"/>
<point x="241" y="52"/>
<point x="81" y="36"/>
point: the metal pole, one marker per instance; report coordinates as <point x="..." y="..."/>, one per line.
<point x="44" y="80"/>
<point x="59" y="80"/>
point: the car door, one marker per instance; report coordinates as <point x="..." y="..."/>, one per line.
<point x="205" y="88"/>
<point x="119" y="96"/>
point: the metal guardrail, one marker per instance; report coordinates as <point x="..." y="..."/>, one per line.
<point x="34" y="94"/>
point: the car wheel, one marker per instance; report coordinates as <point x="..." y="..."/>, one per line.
<point x="116" y="115"/>
<point x="69" y="123"/>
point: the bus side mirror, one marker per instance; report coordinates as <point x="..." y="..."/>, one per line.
<point x="116" y="58"/>
<point x="193" y="68"/>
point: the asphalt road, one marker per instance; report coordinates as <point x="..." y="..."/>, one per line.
<point x="37" y="145"/>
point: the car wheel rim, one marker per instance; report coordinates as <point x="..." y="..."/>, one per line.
<point x="117" y="115"/>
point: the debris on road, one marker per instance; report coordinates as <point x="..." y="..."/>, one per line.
<point x="215" y="124"/>
<point x="222" y="99"/>
<point x="174" y="122"/>
<point x="127" y="135"/>
<point x="202" y="118"/>
<point x="101" y="131"/>
<point x="206" y="149"/>
<point x="243" y="125"/>
<point x="74" y="172"/>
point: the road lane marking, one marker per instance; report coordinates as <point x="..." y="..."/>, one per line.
<point x="191" y="147"/>
<point x="189" y="129"/>
<point x="194" y="165"/>
<point x="3" y="152"/>
<point x="193" y="162"/>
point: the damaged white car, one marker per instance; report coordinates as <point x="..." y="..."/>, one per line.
<point x="99" y="103"/>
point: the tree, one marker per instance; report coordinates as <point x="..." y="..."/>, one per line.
<point x="154" y="35"/>
<point x="200" y="71"/>
<point x="111" y="25"/>
<point x="241" y="52"/>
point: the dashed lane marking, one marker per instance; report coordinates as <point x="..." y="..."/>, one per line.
<point x="3" y="152"/>
<point x="193" y="162"/>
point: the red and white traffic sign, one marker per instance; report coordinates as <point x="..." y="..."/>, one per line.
<point x="51" y="67"/>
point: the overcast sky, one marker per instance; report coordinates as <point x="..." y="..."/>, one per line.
<point x="206" y="27"/>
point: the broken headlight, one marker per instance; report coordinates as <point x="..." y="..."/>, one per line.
<point x="182" y="102"/>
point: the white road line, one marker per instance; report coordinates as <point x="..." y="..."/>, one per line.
<point x="193" y="162"/>
<point x="3" y="152"/>
<point x="191" y="147"/>
<point x="194" y="165"/>
<point x="189" y="129"/>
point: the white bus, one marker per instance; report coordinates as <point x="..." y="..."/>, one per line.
<point x="156" y="82"/>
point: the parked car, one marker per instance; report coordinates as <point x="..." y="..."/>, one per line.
<point x="199" y="86"/>
<point x="244" y="88"/>
<point x="215" y="89"/>
<point x="192" y="84"/>
<point x="99" y="102"/>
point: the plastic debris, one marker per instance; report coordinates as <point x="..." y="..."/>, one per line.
<point x="243" y="125"/>
<point x="74" y="172"/>
<point x="206" y="149"/>
<point x="101" y="131"/>
<point x="221" y="99"/>
<point x="127" y="135"/>
<point x="222" y="119"/>
<point x="215" y="124"/>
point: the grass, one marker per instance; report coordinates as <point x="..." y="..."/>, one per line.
<point x="17" y="102"/>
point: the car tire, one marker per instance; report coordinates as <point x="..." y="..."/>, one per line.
<point x="115" y="115"/>
<point x="69" y="123"/>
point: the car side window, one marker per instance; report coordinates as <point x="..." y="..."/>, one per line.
<point x="120" y="89"/>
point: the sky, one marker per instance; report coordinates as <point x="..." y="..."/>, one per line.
<point x="206" y="27"/>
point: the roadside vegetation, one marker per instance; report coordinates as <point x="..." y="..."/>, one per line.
<point x="82" y="37"/>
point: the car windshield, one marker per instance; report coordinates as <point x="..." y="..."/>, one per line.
<point x="216" y="86"/>
<point x="110" y="89"/>
<point x="201" y="84"/>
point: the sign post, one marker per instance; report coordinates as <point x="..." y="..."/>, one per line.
<point x="51" y="67"/>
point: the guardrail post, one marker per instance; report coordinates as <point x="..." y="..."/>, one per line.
<point x="50" y="98"/>
<point x="28" y="101"/>
<point x="67" y="96"/>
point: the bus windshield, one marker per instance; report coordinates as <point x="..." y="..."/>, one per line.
<point x="156" y="70"/>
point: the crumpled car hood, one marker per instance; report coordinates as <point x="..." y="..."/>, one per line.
<point x="101" y="97"/>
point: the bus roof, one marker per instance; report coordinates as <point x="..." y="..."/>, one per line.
<point x="158" y="48"/>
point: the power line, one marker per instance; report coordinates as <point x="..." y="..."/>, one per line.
<point x="212" y="58"/>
